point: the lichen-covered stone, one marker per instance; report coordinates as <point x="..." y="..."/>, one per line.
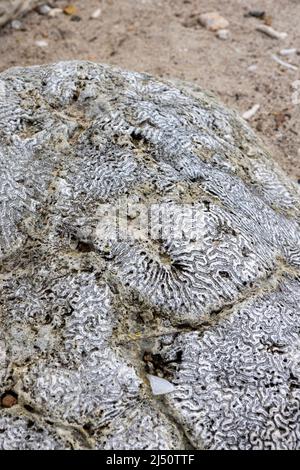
<point x="86" y="315"/>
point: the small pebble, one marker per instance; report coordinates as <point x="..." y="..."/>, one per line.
<point x="252" y="68"/>
<point x="70" y="10"/>
<point x="223" y="34"/>
<point x="213" y="21"/>
<point x="41" y="43"/>
<point x="44" y="9"/>
<point x="271" y="32"/>
<point x="256" y="14"/>
<point x="96" y="14"/>
<point x="9" y="400"/>
<point x="284" y="64"/>
<point x="268" y="20"/>
<point x="16" y="24"/>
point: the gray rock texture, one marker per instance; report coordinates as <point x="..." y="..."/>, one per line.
<point x="10" y="9"/>
<point x="85" y="315"/>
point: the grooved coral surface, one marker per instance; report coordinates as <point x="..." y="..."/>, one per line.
<point x="85" y="314"/>
<point x="10" y="9"/>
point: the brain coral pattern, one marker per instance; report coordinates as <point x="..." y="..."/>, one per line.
<point x="86" y="315"/>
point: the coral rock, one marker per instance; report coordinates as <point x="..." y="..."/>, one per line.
<point x="90" y="303"/>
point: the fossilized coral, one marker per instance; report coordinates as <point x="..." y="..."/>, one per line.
<point x="215" y="312"/>
<point x="10" y="9"/>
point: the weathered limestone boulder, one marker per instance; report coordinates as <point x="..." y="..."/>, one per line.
<point x="144" y="230"/>
<point x="10" y="9"/>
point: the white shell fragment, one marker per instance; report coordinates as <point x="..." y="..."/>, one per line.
<point x="207" y="296"/>
<point x="96" y="14"/>
<point x="223" y="34"/>
<point x="11" y="9"/>
<point x="271" y="32"/>
<point x="283" y="63"/>
<point x="160" y="386"/>
<point x="41" y="43"/>
<point x="251" y="112"/>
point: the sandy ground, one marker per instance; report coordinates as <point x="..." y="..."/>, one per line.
<point x="161" y="37"/>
